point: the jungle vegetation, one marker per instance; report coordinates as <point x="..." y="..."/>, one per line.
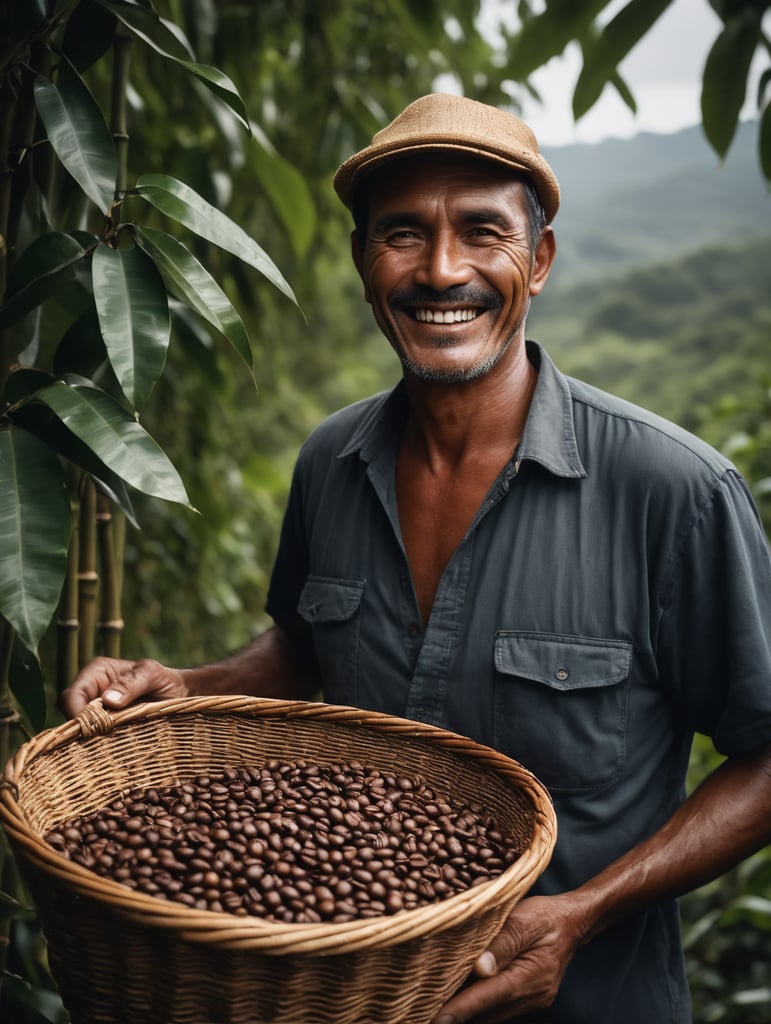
<point x="148" y="145"/>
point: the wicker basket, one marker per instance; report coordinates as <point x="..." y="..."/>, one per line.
<point x="124" y="957"/>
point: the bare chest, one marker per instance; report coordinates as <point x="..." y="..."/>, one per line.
<point x="435" y="512"/>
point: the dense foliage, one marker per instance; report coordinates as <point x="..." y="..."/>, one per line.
<point x="172" y="184"/>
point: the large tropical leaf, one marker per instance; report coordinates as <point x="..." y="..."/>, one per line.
<point x="52" y="259"/>
<point x="190" y="282"/>
<point x="288" y="192"/>
<point x="78" y="133"/>
<point x="35" y="526"/>
<point x="133" y="316"/>
<point x="603" y="55"/>
<point x="26" y="682"/>
<point x="115" y="437"/>
<point x="166" y="39"/>
<point x="547" y="34"/>
<point x="39" y="420"/>
<point x="724" y="84"/>
<point x="180" y="202"/>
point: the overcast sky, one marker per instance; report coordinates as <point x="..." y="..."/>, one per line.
<point x="663" y="72"/>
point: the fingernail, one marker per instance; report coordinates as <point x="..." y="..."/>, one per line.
<point x="486" y="964"/>
<point x="113" y="696"/>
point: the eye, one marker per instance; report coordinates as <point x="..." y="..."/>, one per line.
<point x="401" y="236"/>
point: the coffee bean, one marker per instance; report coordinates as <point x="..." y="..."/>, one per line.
<point x="291" y="841"/>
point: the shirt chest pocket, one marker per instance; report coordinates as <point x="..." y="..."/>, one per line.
<point x="560" y="706"/>
<point x="331" y="608"/>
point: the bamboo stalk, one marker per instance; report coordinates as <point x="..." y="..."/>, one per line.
<point x="118" y="120"/>
<point x="110" y="621"/>
<point x="88" y="580"/>
<point x="68" y="624"/>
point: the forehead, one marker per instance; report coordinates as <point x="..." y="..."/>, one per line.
<point x="420" y="179"/>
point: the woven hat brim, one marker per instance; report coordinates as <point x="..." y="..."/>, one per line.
<point x="359" y="166"/>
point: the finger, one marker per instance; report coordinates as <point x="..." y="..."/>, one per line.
<point x="493" y="997"/>
<point x="119" y="682"/>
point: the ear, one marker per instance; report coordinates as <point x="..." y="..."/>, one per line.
<point x="544" y="258"/>
<point x="358" y="260"/>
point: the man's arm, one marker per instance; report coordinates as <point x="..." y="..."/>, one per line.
<point x="724" y="821"/>
<point x="266" y="667"/>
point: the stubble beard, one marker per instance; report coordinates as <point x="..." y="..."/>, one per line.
<point x="460" y="374"/>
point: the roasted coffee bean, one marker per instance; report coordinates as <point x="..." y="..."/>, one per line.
<point x="291" y="841"/>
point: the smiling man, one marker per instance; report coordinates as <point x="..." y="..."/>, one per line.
<point x="500" y="550"/>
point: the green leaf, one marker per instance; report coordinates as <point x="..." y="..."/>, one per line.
<point x="133" y="316"/>
<point x="77" y="131"/>
<point x="180" y="202"/>
<point x="724" y="84"/>
<point x="88" y="34"/>
<point x="81" y="348"/>
<point x="23" y="382"/>
<point x="26" y="682"/>
<point x="190" y="282"/>
<point x="39" y="420"/>
<point x="35" y="526"/>
<point x="624" y="91"/>
<point x="10" y="907"/>
<point x="603" y="55"/>
<point x="289" y="195"/>
<point x="165" y="38"/>
<point x="764" y="142"/>
<point x="115" y="437"/>
<point x="51" y="260"/>
<point x="547" y="34"/>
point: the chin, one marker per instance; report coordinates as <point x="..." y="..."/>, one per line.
<point x="448" y="374"/>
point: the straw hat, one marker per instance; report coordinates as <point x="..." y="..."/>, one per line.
<point x="441" y="121"/>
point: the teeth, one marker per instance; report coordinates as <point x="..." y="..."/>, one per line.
<point x="449" y="316"/>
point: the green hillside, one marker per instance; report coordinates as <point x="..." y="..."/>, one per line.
<point x="632" y="202"/>
<point x="675" y="337"/>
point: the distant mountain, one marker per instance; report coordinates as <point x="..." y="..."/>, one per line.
<point x="633" y="202"/>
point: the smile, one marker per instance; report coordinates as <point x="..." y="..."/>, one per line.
<point x="448" y="316"/>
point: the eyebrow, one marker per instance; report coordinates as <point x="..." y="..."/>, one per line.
<point x="481" y="215"/>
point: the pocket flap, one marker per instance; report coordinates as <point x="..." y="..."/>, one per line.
<point x="328" y="600"/>
<point x="562" y="662"/>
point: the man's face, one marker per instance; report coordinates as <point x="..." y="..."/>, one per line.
<point x="447" y="264"/>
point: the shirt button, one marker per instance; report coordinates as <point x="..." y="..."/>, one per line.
<point x="562" y="674"/>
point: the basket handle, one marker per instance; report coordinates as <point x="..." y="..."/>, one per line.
<point x="95" y="720"/>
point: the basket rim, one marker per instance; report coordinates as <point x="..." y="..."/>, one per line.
<point x="234" y="932"/>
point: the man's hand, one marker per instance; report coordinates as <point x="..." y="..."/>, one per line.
<point x="119" y="682"/>
<point x="521" y="971"/>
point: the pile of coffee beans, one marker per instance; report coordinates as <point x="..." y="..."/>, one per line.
<point x="291" y="841"/>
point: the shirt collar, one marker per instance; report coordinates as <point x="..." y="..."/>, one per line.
<point x="548" y="438"/>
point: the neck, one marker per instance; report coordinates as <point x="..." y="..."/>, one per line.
<point x="483" y="418"/>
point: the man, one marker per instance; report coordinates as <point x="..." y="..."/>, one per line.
<point x="499" y="550"/>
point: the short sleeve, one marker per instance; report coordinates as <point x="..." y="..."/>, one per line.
<point x="714" y="644"/>
<point x="290" y="571"/>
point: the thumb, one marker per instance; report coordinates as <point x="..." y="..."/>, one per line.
<point x="486" y="965"/>
<point x="116" y="696"/>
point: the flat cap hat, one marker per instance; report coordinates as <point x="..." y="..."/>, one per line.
<point x="442" y="121"/>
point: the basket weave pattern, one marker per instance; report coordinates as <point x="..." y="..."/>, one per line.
<point x="123" y="957"/>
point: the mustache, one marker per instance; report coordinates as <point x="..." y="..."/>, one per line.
<point x="458" y="295"/>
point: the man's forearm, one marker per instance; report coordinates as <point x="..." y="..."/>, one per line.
<point x="725" y="820"/>
<point x="266" y="667"/>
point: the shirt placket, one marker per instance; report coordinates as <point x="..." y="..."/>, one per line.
<point x="427" y="692"/>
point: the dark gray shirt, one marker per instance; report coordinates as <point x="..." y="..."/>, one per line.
<point x="611" y="597"/>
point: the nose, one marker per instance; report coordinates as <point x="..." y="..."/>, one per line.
<point x="443" y="263"/>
